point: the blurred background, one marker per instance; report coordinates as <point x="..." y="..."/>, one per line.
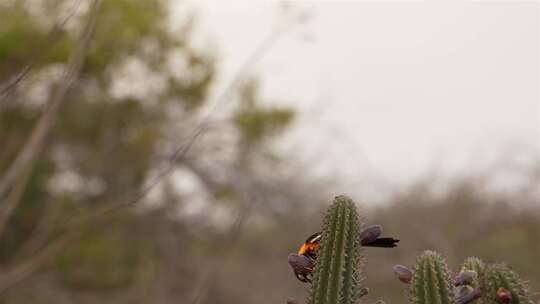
<point x="157" y="151"/>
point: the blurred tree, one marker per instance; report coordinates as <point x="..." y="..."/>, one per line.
<point x="141" y="92"/>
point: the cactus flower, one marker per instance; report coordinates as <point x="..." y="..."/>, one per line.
<point x="504" y="296"/>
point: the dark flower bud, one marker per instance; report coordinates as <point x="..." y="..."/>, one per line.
<point x="403" y="273"/>
<point x="465" y="277"/>
<point x="370" y="234"/>
<point x="504" y="296"/>
<point x="466" y="294"/>
<point x="302" y="266"/>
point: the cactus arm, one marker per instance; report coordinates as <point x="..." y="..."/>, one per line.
<point x="352" y="274"/>
<point x="336" y="275"/>
<point x="431" y="283"/>
<point x="501" y="276"/>
<point x="476" y="265"/>
<point x="466" y="279"/>
<point x="444" y="281"/>
<point x="338" y="258"/>
<point x="322" y="268"/>
<point x="417" y="287"/>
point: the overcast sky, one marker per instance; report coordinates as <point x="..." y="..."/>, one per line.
<point x="389" y="90"/>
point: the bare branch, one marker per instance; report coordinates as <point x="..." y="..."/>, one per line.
<point x="53" y="35"/>
<point x="209" y="279"/>
<point x="37" y="138"/>
<point x="27" y="268"/>
<point x="41" y="233"/>
<point x="13" y="198"/>
<point x="73" y="227"/>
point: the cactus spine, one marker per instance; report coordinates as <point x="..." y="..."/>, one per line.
<point x="336" y="278"/>
<point x="468" y="281"/>
<point x="500" y="277"/>
<point x="431" y="282"/>
<point x="476" y="265"/>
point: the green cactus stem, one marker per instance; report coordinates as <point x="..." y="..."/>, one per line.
<point x="476" y="265"/>
<point x="337" y="274"/>
<point x="468" y="280"/>
<point x="498" y="280"/>
<point x="431" y="282"/>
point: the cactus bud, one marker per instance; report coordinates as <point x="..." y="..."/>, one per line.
<point x="370" y="234"/>
<point x="465" y="277"/>
<point x="466" y="294"/>
<point x="403" y="273"/>
<point x="504" y="296"/>
<point x="431" y="282"/>
<point x="302" y="266"/>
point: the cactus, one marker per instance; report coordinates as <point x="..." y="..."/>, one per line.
<point x="337" y="275"/>
<point x="476" y="265"/>
<point x="502" y="285"/>
<point x="431" y="282"/>
<point x="475" y="283"/>
<point x="468" y="280"/>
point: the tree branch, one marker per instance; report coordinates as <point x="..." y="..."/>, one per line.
<point x="52" y="37"/>
<point x="37" y="138"/>
<point x="13" y="198"/>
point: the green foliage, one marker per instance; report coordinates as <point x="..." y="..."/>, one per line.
<point x="431" y="282"/>
<point x="106" y="258"/>
<point x="21" y="36"/>
<point x="26" y="217"/>
<point x="105" y="145"/>
<point x="15" y="124"/>
<point x="192" y="91"/>
<point x="337" y="271"/>
<point x="121" y="132"/>
<point x="501" y="276"/>
<point x="107" y="142"/>
<point x="122" y="26"/>
<point x="254" y="123"/>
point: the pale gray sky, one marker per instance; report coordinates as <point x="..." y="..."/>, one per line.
<point x="392" y="89"/>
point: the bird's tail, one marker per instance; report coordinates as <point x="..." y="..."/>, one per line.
<point x="382" y="242"/>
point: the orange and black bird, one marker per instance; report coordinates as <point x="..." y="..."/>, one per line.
<point x="304" y="261"/>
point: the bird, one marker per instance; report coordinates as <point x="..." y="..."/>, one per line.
<point x="303" y="261"/>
